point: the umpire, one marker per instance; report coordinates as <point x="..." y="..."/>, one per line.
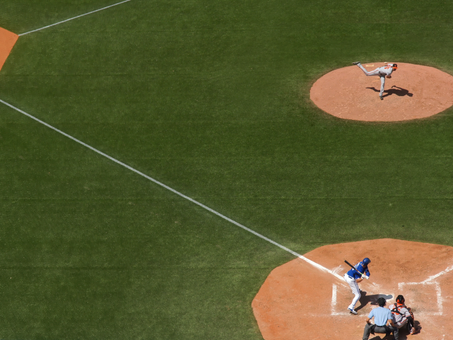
<point x="383" y="321"/>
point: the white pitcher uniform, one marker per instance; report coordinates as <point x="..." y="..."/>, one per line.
<point x="381" y="72"/>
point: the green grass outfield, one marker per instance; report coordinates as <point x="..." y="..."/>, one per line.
<point x="212" y="99"/>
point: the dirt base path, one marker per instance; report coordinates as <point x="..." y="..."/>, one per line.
<point x="413" y="92"/>
<point x="298" y="301"/>
<point x="7" y="41"/>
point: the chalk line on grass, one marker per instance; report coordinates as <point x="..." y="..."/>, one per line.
<point x="76" y="17"/>
<point x="314" y="264"/>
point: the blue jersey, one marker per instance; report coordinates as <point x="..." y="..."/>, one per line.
<point x="361" y="268"/>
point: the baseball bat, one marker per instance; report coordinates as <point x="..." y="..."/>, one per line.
<point x="350" y="265"/>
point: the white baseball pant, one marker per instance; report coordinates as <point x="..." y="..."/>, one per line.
<point x="376" y="72"/>
<point x="355" y="290"/>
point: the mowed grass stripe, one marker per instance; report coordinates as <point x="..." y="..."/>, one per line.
<point x="174" y="191"/>
<point x="210" y="98"/>
<point x="76" y="17"/>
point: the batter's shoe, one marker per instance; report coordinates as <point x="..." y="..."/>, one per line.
<point x="356" y="63"/>
<point x="352" y="311"/>
<point x="382" y="98"/>
<point x="413" y="331"/>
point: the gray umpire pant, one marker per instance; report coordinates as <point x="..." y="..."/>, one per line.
<point x="370" y="328"/>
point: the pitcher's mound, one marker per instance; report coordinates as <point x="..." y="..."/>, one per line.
<point x="413" y="92"/>
<point x="298" y="301"/>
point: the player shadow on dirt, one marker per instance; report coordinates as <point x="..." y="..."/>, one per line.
<point x="395" y="90"/>
<point x="371" y="299"/>
<point x="403" y="334"/>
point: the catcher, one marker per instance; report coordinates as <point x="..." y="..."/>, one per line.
<point x="403" y="315"/>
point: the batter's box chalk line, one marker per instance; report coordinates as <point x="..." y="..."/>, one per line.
<point x="425" y="288"/>
<point x="337" y="310"/>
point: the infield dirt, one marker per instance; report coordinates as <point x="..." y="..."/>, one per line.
<point x="298" y="301"/>
<point x="413" y="92"/>
<point x="7" y="41"/>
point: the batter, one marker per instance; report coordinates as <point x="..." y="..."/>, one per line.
<point x="353" y="277"/>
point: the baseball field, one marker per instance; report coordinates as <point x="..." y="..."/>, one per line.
<point x="160" y="158"/>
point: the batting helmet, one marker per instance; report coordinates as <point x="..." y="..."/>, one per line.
<point x="400" y="299"/>
<point x="366" y="260"/>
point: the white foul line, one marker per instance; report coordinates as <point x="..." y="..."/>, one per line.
<point x="177" y="192"/>
<point x="79" y="16"/>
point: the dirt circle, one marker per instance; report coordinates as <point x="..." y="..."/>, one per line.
<point x="299" y="301"/>
<point x="413" y="92"/>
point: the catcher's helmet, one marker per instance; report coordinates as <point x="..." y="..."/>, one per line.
<point x="366" y="260"/>
<point x="400" y="299"/>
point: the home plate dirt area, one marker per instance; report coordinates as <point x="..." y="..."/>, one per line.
<point x="299" y="301"/>
<point x="413" y="92"/>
